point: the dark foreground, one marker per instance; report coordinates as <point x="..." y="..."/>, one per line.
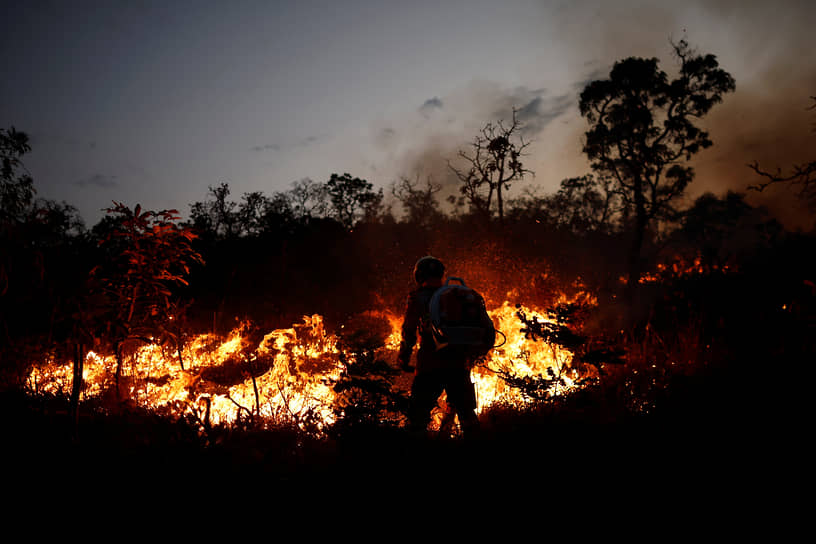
<point x="702" y="441"/>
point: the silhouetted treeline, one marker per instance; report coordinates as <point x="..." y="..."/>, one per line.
<point x="273" y="258"/>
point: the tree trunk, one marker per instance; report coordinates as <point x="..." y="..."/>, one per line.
<point x="641" y="221"/>
<point x="500" y="202"/>
<point x="255" y="389"/>
<point x="178" y="350"/>
<point x="635" y="257"/>
<point x="118" y="370"/>
<point x="76" y="389"/>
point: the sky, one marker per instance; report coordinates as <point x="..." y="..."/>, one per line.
<point x="153" y="102"/>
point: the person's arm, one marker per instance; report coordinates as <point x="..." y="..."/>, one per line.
<point x="410" y="322"/>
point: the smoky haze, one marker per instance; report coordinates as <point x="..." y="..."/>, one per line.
<point x="767" y="48"/>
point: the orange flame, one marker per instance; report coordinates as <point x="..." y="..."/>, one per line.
<point x="287" y="377"/>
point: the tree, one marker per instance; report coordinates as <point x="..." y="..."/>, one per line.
<point x="495" y="161"/>
<point x="42" y="268"/>
<point x="722" y="231"/>
<point x="583" y="204"/>
<point x="642" y="132"/>
<point x="16" y="184"/>
<point x="16" y="194"/>
<point x="803" y="176"/>
<point x="308" y="199"/>
<point x="419" y="202"/>
<point x="20" y="263"/>
<point x="351" y="198"/>
<point x="276" y="215"/>
<point x="148" y="253"/>
<point x="216" y="215"/>
<point x="250" y="213"/>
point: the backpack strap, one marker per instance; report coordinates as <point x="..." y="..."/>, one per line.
<point x="451" y="278"/>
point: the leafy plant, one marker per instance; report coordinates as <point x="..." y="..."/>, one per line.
<point x="148" y="254"/>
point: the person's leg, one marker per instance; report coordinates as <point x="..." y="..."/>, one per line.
<point x="425" y="392"/>
<point x="462" y="395"/>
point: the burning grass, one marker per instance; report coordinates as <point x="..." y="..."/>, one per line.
<point x="290" y="375"/>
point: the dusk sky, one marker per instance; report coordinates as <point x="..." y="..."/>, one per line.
<point x="152" y="102"/>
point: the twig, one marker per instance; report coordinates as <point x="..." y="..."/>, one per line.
<point x="247" y="410"/>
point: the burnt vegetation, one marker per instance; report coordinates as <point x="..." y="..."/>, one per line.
<point x="694" y="319"/>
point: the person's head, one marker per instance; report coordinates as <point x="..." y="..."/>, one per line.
<point x="428" y="270"/>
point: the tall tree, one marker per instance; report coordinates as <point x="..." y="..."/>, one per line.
<point x="642" y="133"/>
<point x="494" y="161"/>
<point x="18" y="260"/>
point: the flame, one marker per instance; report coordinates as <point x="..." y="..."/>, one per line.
<point x="287" y="377"/>
<point x="522" y="357"/>
<point x="679" y="267"/>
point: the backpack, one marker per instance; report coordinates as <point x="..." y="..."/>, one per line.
<point x="458" y="317"/>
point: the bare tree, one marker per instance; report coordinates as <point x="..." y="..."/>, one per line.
<point x="494" y="161"/>
<point x="308" y="199"/>
<point x="419" y="201"/>
<point x="801" y="175"/>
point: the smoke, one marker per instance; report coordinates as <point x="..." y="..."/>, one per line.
<point x="775" y="131"/>
<point x="425" y="143"/>
<point x="766" y="47"/>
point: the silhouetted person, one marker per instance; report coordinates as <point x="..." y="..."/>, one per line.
<point x="437" y="370"/>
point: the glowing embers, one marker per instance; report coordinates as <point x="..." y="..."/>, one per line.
<point x="683" y="267"/>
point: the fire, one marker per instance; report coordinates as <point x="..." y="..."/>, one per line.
<point x="679" y="267"/>
<point x="286" y="377"/>
<point x="522" y="357"/>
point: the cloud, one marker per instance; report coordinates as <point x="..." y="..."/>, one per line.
<point x="309" y="140"/>
<point x="98" y="180"/>
<point x="767" y="48"/>
<point x="595" y="74"/>
<point x="535" y="107"/>
<point x="540" y="112"/>
<point x="424" y="146"/>
<point x="267" y="147"/>
<point x="429" y="106"/>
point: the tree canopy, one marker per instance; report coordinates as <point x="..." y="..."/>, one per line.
<point x="643" y="130"/>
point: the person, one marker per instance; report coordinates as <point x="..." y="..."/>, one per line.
<point x="437" y="370"/>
